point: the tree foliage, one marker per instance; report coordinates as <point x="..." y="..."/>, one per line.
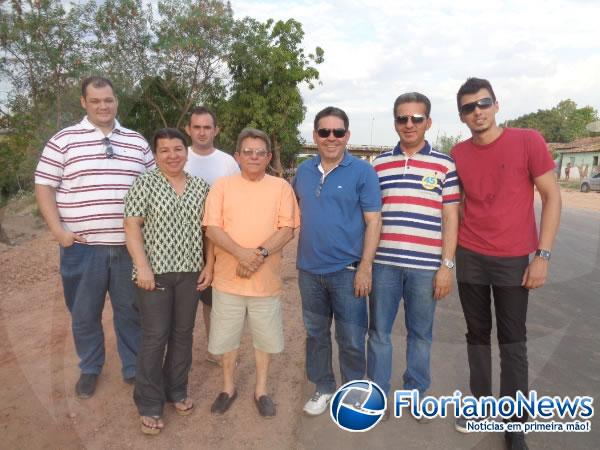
<point x="445" y="142"/>
<point x="192" y="52"/>
<point x="267" y="65"/>
<point x="563" y="123"/>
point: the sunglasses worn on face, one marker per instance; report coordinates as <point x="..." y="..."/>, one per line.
<point x="248" y="152"/>
<point x="482" y="103"/>
<point x="416" y="119"/>
<point x="337" y="132"/>
<point x="108" y="150"/>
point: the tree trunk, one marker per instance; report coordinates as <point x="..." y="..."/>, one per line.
<point x="276" y="167"/>
<point x="3" y="237"/>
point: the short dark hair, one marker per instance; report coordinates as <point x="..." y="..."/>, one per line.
<point x="472" y="86"/>
<point x="413" y="97"/>
<point x="168" y="133"/>
<point x="332" y="111"/>
<point x="97" y="82"/>
<point x="252" y="133"/>
<point x="199" y="110"/>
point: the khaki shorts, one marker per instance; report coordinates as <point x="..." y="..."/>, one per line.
<point x="227" y="319"/>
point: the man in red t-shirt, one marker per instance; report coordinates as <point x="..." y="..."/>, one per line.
<point x="498" y="168"/>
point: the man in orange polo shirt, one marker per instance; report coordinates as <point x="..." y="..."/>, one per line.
<point x="249" y="217"/>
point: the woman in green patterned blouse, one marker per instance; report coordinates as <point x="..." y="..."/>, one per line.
<point x="163" y="216"/>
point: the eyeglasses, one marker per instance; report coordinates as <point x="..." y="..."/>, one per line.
<point x="108" y="150"/>
<point x="416" y="119"/>
<point x="482" y="103"/>
<point x="337" y="132"/>
<point x="259" y="153"/>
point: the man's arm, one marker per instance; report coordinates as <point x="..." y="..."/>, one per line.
<point x="362" y="280"/>
<point x="46" y="200"/>
<point x="273" y="244"/>
<point x="442" y="283"/>
<point x="135" y="247"/>
<point x="249" y="258"/>
<point x="536" y="272"/>
<point x="206" y="275"/>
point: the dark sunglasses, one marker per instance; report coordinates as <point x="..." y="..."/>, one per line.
<point x="416" y="119"/>
<point x="337" y="132"/>
<point x="108" y="150"/>
<point x="482" y="103"/>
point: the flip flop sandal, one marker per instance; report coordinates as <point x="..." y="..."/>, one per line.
<point x="149" y="429"/>
<point x="185" y="411"/>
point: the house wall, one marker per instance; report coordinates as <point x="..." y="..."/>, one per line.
<point x="585" y="164"/>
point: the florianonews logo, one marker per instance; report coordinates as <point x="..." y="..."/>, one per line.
<point x="358" y="405"/>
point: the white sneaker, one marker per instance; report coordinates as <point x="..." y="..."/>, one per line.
<point x="317" y="404"/>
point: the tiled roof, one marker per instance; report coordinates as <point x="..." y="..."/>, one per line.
<point x="583" y="145"/>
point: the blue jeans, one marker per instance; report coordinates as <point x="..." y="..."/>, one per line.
<point x="391" y="284"/>
<point x="88" y="273"/>
<point x="325" y="297"/>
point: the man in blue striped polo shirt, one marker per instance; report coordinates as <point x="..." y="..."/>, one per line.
<point x="414" y="259"/>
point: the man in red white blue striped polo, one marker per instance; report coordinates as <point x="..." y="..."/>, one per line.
<point x="80" y="181"/>
<point x="415" y="256"/>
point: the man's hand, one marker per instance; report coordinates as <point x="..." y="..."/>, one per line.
<point x="145" y="278"/>
<point x="250" y="259"/>
<point x="205" y="278"/>
<point x="242" y="272"/>
<point x="442" y="283"/>
<point x="362" y="280"/>
<point x="67" y="238"/>
<point x="535" y="274"/>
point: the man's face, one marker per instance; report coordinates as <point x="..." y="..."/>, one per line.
<point x="479" y="119"/>
<point x="331" y="148"/>
<point x="202" y="130"/>
<point x="253" y="157"/>
<point x="170" y="156"/>
<point x="100" y="104"/>
<point x="411" y="133"/>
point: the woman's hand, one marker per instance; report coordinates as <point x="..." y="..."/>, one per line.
<point x="145" y="278"/>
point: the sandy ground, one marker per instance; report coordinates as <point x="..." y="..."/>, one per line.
<point x="38" y="366"/>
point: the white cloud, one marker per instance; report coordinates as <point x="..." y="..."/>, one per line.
<point x="535" y="54"/>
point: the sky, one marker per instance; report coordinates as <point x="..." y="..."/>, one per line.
<point x="535" y="54"/>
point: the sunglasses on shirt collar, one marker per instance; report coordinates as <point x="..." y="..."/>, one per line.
<point x="108" y="150"/>
<point x="482" y="103"/>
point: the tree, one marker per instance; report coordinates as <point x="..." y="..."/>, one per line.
<point x="445" y="142"/>
<point x="193" y="38"/>
<point x="44" y="52"/>
<point x="563" y="123"/>
<point x="267" y="65"/>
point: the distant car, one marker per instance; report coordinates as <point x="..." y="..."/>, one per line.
<point x="590" y="183"/>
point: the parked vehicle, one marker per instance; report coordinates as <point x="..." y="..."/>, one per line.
<point x="590" y="183"/>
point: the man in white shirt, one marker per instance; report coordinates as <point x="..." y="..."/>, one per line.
<point x="209" y="163"/>
<point x="82" y="176"/>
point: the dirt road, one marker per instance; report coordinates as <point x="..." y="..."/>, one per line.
<point x="38" y="366"/>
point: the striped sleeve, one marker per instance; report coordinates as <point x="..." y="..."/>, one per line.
<point x="451" y="185"/>
<point x="50" y="167"/>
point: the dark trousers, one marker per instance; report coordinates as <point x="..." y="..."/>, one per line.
<point x="168" y="316"/>
<point x="510" y="304"/>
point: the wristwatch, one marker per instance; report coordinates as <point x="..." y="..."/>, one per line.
<point x="263" y="251"/>
<point x="448" y="263"/>
<point x="544" y="254"/>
